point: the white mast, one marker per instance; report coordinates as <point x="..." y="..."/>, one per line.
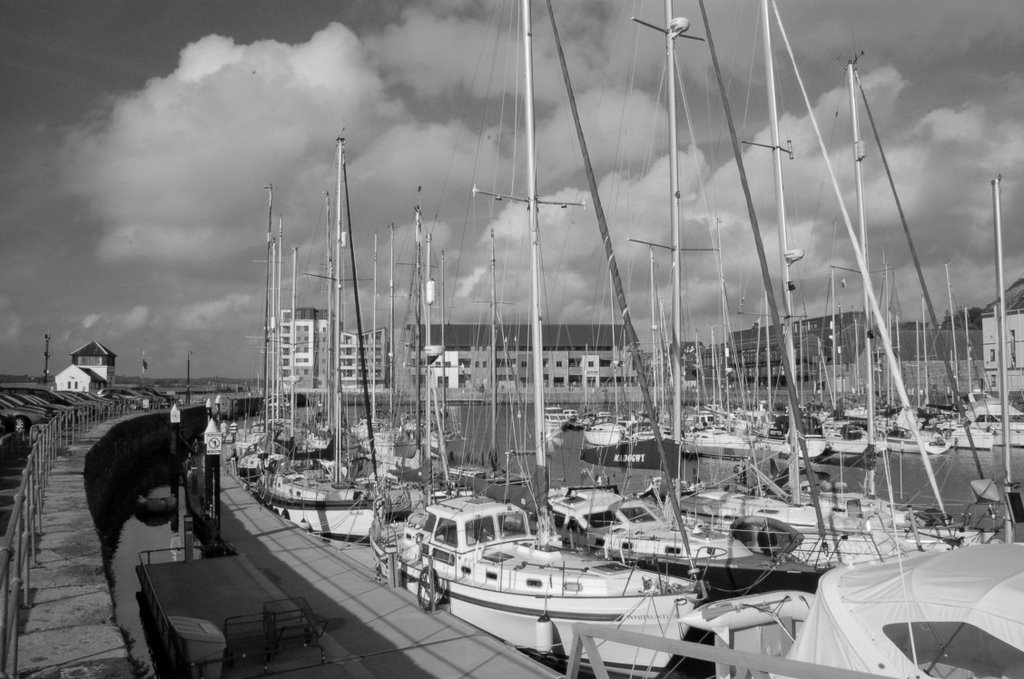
<point x="858" y="158"/>
<point x="539" y="433"/>
<point x="328" y="378"/>
<point x="1004" y="392"/>
<point x="339" y="238"/>
<point x="952" y="327"/>
<point x="291" y="370"/>
<point x="373" y="335"/>
<point x="785" y="257"/>
<point x="673" y="173"/>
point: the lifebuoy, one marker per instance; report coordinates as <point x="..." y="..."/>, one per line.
<point x="428" y="589"/>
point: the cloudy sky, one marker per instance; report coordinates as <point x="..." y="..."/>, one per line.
<point x="138" y="139"/>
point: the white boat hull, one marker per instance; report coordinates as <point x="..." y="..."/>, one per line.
<point x="514" y="617"/>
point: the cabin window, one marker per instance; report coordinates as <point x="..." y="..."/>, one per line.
<point x="479" y="530"/>
<point x="601" y="519"/>
<point x="444" y="556"/>
<point x="533" y="583"/>
<point x="428" y="525"/>
<point x="559" y="520"/>
<point x="637" y="514"/>
<point x="673" y="550"/>
<point x="512" y="523"/>
<point x="491" y="575"/>
<point x="945" y="646"/>
<point x="447" y="532"/>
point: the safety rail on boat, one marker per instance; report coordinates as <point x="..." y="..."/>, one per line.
<point x="587" y="637"/>
<point x="25" y="522"/>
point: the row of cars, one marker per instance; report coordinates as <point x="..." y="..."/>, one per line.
<point x="23" y="407"/>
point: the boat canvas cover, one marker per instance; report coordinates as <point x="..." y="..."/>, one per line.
<point x="980" y="586"/>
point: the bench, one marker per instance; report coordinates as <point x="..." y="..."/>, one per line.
<point x="284" y="623"/>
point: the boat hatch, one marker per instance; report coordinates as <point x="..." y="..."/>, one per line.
<point x="499" y="557"/>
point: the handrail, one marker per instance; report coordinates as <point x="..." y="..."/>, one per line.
<point x="585" y="636"/>
<point x="18" y="547"/>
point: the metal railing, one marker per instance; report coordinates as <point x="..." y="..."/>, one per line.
<point x="25" y="522"/>
<point x="586" y="638"/>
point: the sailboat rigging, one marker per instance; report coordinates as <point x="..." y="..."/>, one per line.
<point x="457" y="549"/>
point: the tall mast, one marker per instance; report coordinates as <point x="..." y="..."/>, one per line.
<point x="266" y="310"/>
<point x="373" y="324"/>
<point x="391" y="327"/>
<point x="327" y="379"/>
<point x="493" y="359"/>
<point x="535" y="319"/>
<point x="858" y="159"/>
<point x="277" y="319"/>
<point x="336" y="329"/>
<point x="952" y="327"/>
<point x="784" y="255"/>
<point x="428" y="378"/>
<point x="291" y="333"/>
<point x="673" y="174"/>
<point x="1004" y="393"/>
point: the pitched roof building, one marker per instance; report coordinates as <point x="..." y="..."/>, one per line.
<point x="96" y="358"/>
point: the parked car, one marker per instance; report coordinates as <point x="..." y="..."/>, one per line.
<point x="24" y="416"/>
<point x="51" y="397"/>
<point x="135" y="398"/>
<point x="157" y="399"/>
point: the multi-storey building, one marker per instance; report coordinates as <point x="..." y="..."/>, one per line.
<point x="830" y="358"/>
<point x="574" y="355"/>
<point x="1014" y="348"/>
<point x="306" y="356"/>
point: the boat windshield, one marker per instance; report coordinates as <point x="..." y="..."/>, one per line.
<point x="945" y="646"/>
<point x="512" y="524"/>
<point x="638" y="514"/>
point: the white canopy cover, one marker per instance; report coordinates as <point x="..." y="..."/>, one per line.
<point x="959" y="613"/>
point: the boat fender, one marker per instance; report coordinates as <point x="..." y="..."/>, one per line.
<point x="545" y="634"/>
<point x="428" y="589"/>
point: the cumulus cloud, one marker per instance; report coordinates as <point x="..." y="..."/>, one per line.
<point x="211" y="314"/>
<point x="173" y="168"/>
<point x="118" y="324"/>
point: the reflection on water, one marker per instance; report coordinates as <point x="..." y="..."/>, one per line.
<point x="141" y="532"/>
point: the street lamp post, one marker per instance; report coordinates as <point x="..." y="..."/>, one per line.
<point x="188" y="378"/>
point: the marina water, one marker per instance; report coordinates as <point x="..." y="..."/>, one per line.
<point x="909" y="483"/>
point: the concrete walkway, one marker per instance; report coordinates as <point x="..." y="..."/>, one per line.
<point x="372" y="630"/>
<point x="69" y="628"/>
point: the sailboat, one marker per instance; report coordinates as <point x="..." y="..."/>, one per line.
<point x="336" y="498"/>
<point x="495" y="571"/>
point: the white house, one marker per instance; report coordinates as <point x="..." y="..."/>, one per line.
<point x="76" y="378"/>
